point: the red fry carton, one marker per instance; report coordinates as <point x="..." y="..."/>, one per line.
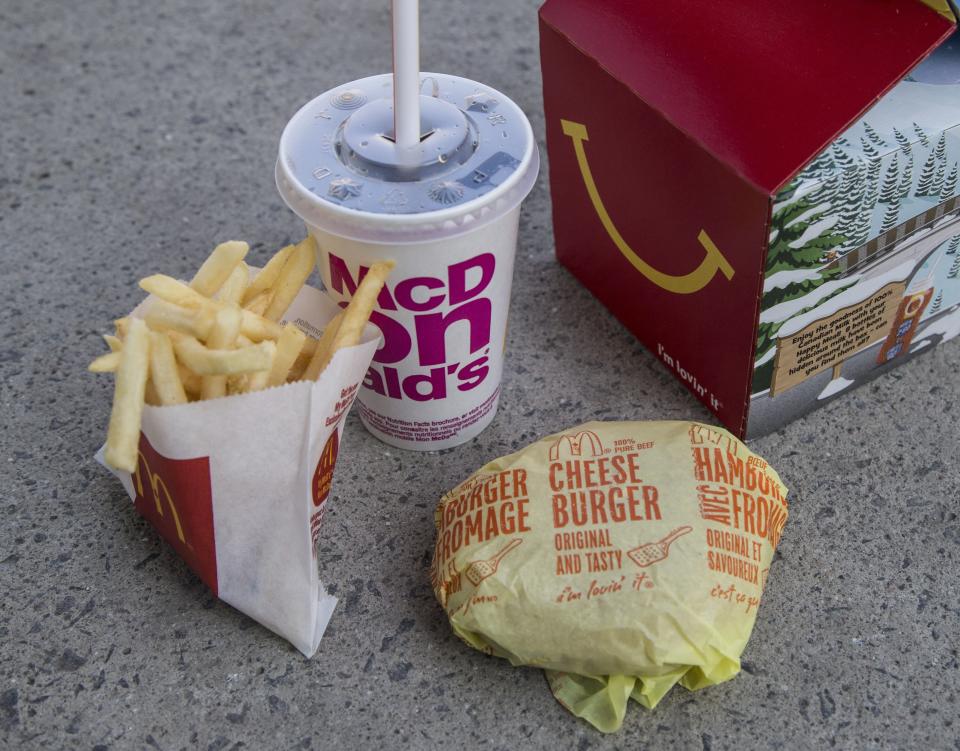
<point x="765" y="192"/>
<point x="238" y="486"/>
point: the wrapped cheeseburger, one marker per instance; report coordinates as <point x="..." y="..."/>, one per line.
<point x="623" y="558"/>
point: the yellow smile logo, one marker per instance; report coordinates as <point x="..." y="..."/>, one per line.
<point x="681" y="285"/>
<point x="157" y="486"/>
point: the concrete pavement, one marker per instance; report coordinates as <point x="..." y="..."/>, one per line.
<point x="136" y="135"/>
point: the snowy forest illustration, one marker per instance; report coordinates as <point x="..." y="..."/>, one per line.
<point x="900" y="160"/>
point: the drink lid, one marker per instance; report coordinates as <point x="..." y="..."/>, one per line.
<point x="339" y="168"/>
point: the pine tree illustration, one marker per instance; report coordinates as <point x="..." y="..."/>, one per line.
<point x="855" y="192"/>
<point x="861" y="232"/>
<point x="868" y="148"/>
<point x="891" y="184"/>
<point x="954" y="270"/>
<point x="901" y="140"/>
<point x="954" y="245"/>
<point x="814" y="219"/>
<point x="925" y="186"/>
<point x="855" y="216"/>
<point x="790" y="222"/>
<point x="937" y="303"/>
<point x="924" y="140"/>
<point x="892" y="217"/>
<point x="828" y="190"/>
<point x="906" y="181"/>
<point x="873" y="135"/>
<point x="941" y="150"/>
<point x="871" y="195"/>
<point x="820" y="166"/>
<point x="950" y="185"/>
<point x="939" y="179"/>
<point x="840" y="157"/>
<point x="873" y="177"/>
<point x="906" y="185"/>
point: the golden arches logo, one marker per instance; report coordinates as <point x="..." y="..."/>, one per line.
<point x="680" y="285"/>
<point x="323" y="474"/>
<point x="157" y="485"/>
<point x="575" y="444"/>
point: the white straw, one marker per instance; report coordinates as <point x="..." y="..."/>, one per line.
<point x="406" y="73"/>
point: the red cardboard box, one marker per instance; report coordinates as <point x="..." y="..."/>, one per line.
<point x="757" y="189"/>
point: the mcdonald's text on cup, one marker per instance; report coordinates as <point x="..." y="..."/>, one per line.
<point x="437" y="304"/>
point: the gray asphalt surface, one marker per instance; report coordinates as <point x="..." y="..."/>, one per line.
<point x="136" y="135"/>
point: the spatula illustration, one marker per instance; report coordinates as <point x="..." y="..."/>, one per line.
<point x="654" y="552"/>
<point x="479" y="570"/>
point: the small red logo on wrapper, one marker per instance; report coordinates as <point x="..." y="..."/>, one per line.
<point x="322" y="483"/>
<point x="175" y="496"/>
<point x="323" y="476"/>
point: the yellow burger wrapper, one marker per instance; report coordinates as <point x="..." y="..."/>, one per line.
<point x="621" y="557"/>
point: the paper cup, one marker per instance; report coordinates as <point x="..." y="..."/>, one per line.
<point x="435" y="383"/>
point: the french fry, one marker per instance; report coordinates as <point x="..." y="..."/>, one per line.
<point x="346" y="329"/>
<point x="259" y="303"/>
<point x="257" y="328"/>
<point x="237" y="384"/>
<point x="150" y="395"/>
<point x="299" y="366"/>
<point x="231" y="293"/>
<point x="173" y="291"/>
<point x="170" y="290"/>
<point x="164" y="374"/>
<point x="218" y="267"/>
<point x="258" y="381"/>
<point x="303" y="359"/>
<point x="292" y="278"/>
<point x="204" y="361"/>
<point x="223" y="336"/>
<point x="361" y="306"/>
<point x="105" y="363"/>
<point x="289" y="344"/>
<point x="324" y="351"/>
<point x="197" y="342"/>
<point x="268" y="275"/>
<point x="162" y="315"/>
<point x="123" y="434"/>
<point x="190" y="380"/>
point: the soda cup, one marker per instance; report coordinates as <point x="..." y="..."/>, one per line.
<point x="446" y="209"/>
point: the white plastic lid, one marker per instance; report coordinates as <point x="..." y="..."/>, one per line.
<point x="339" y="169"/>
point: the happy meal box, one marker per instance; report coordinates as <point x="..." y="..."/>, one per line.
<point x="772" y="206"/>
